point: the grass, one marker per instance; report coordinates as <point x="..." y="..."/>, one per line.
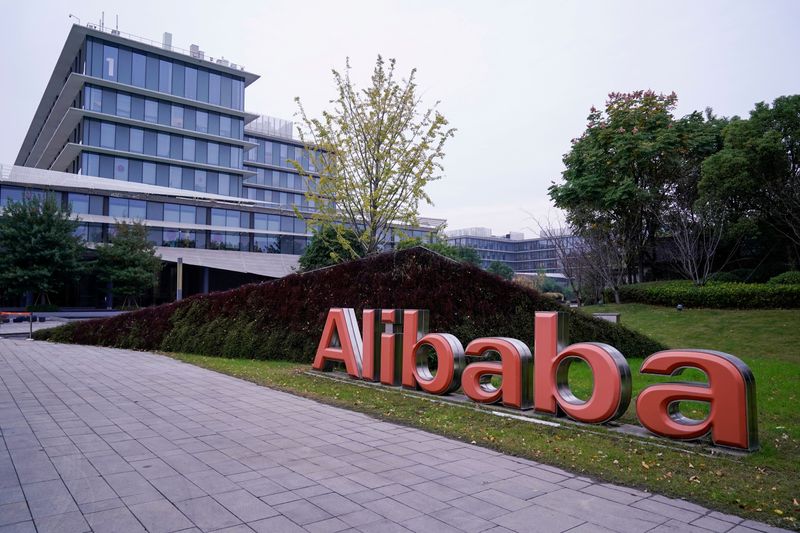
<point x="764" y="486"/>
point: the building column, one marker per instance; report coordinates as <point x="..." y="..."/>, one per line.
<point x="205" y="280"/>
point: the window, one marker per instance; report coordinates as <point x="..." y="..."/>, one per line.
<point x="120" y="169"/>
<point x="202" y="121"/>
<point x="187" y="179"/>
<point x="213" y="123"/>
<point x="164" y="76"/>
<point x="118" y="207"/>
<point x="150" y="142"/>
<point x="214" y="81"/>
<point x="149" y="173"/>
<point x="189" y="119"/>
<point x="175" y="177"/>
<point x="95" y="99"/>
<point x="122" y="138"/>
<point x="107" y="135"/>
<point x="176" y="120"/>
<point x="79" y="203"/>
<point x="217" y="217"/>
<point x="178" y="77"/>
<point x="237" y="94"/>
<point x="137" y="140"/>
<point x="187" y="215"/>
<point x="225" y="126"/>
<point x="155" y="211"/>
<point x="91" y="165"/>
<point x="137" y="107"/>
<point x="125" y="58"/>
<point x="224" y="185"/>
<point x="172" y="213"/>
<point x="163" y="145"/>
<point x="188" y="149"/>
<point x="151" y="111"/>
<point x="200" y="180"/>
<point x="138" y="69"/>
<point x="213" y="154"/>
<point x="190" y="88"/>
<point x="176" y="147"/>
<point x="164" y="113"/>
<point x="109" y="104"/>
<point x="110" y="54"/>
<point x="135" y="170"/>
<point x="202" y="85"/>
<point x="225" y="91"/>
<point x="137" y="209"/>
<point x="151" y="81"/>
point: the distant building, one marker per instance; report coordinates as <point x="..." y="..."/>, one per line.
<point x="132" y="129"/>
<point x="521" y="254"/>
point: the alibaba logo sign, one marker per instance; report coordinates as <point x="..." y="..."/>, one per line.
<point x="394" y="347"/>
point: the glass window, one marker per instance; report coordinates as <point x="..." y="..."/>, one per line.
<point x="151" y="111"/>
<point x="237" y="94"/>
<point x="163" y="145"/>
<point x="191" y="83"/>
<point x="162" y="175"/>
<point x="137" y="140"/>
<point x="125" y="58"/>
<point x="202" y="121"/>
<point x="135" y="170"/>
<point x="94" y="132"/>
<point x="150" y="142"/>
<point x="138" y="70"/>
<point x="200" y="215"/>
<point x="187" y="179"/>
<point x="149" y="173"/>
<point x="187" y="214"/>
<point x="95" y="233"/>
<point x="118" y="207"/>
<point x="188" y="149"/>
<point x="95" y="205"/>
<point x="90" y="166"/>
<point x="177" y="79"/>
<point x="176" y="119"/>
<point x="225" y="155"/>
<point x="120" y="168"/>
<point x="176" y="147"/>
<point x="232" y="218"/>
<point x="224" y="184"/>
<point x="137" y="209"/>
<point x="225" y="126"/>
<point x="287" y="224"/>
<point x="217" y="217"/>
<point x="213" y="123"/>
<point x="172" y="213"/>
<point x="137" y="107"/>
<point x="155" y="211"/>
<point x="123" y="138"/>
<point x="107" y="135"/>
<point x="202" y="85"/>
<point x="200" y="180"/>
<point x="151" y="81"/>
<point x="225" y="91"/>
<point x="214" y="88"/>
<point x="189" y="119"/>
<point x="175" y="175"/>
<point x="79" y="203"/>
<point x="164" y="76"/>
<point x="110" y="54"/>
<point x="109" y="104"/>
<point x="212" y="182"/>
<point x="95" y="99"/>
<point x="164" y="113"/>
<point x="201" y="151"/>
<point x="213" y="154"/>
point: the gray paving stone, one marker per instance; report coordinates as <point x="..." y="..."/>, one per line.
<point x="19" y="527"/>
<point x="133" y="434"/>
<point x="11" y="513"/>
<point x="207" y="514"/>
<point x="160" y="516"/>
<point x="62" y="523"/>
<point x="114" y="521"/>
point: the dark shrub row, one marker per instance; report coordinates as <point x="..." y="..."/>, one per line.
<point x="283" y="319"/>
<point x="713" y="294"/>
<point x="791" y="277"/>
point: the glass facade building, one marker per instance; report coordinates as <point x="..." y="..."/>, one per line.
<point x="169" y="134"/>
<point x="522" y="255"/>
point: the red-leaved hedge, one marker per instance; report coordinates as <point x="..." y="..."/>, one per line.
<point x="283" y="319"/>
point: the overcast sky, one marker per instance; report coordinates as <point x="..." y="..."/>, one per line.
<point x="516" y="78"/>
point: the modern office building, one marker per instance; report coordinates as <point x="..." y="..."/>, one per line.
<point x="521" y="254"/>
<point x="132" y="129"/>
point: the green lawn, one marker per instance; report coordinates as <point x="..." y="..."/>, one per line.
<point x="764" y="485"/>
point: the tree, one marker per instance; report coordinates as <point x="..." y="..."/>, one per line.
<point x="568" y="252"/>
<point x="375" y="152"/>
<point x="756" y="175"/>
<point x="616" y="169"/>
<point x="329" y="247"/>
<point x="465" y="254"/>
<point x="129" y="262"/>
<point x="501" y="269"/>
<point x="39" y="250"/>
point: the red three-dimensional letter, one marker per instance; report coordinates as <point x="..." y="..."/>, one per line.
<point x="516" y="367"/>
<point x="731" y="391"/>
<point x="612" y="376"/>
<point x="340" y="342"/>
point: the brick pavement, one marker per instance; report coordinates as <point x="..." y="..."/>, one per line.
<point x="97" y="439"/>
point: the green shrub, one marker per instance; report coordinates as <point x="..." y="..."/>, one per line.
<point x="283" y="319"/>
<point x="713" y="295"/>
<point x="42" y="308"/>
<point x="727" y="277"/>
<point x="791" y="277"/>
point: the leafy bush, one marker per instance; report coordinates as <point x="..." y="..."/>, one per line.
<point x="727" y="277"/>
<point x="283" y="319"/>
<point x="791" y="277"/>
<point x="42" y="308"/>
<point x="713" y="294"/>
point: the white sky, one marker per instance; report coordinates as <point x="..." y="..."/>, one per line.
<point x="515" y="78"/>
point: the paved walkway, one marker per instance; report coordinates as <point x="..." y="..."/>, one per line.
<point x="123" y="441"/>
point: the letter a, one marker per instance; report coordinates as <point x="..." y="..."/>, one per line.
<point x="731" y="391"/>
<point x="340" y="342"/>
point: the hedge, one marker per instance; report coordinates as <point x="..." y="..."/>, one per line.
<point x="718" y="295"/>
<point x="791" y="277"/>
<point x="283" y="319"/>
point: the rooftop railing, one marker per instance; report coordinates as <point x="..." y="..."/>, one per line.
<point x="194" y="52"/>
<point x="274" y="126"/>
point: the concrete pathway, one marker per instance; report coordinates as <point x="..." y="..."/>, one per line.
<point x="119" y="441"/>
